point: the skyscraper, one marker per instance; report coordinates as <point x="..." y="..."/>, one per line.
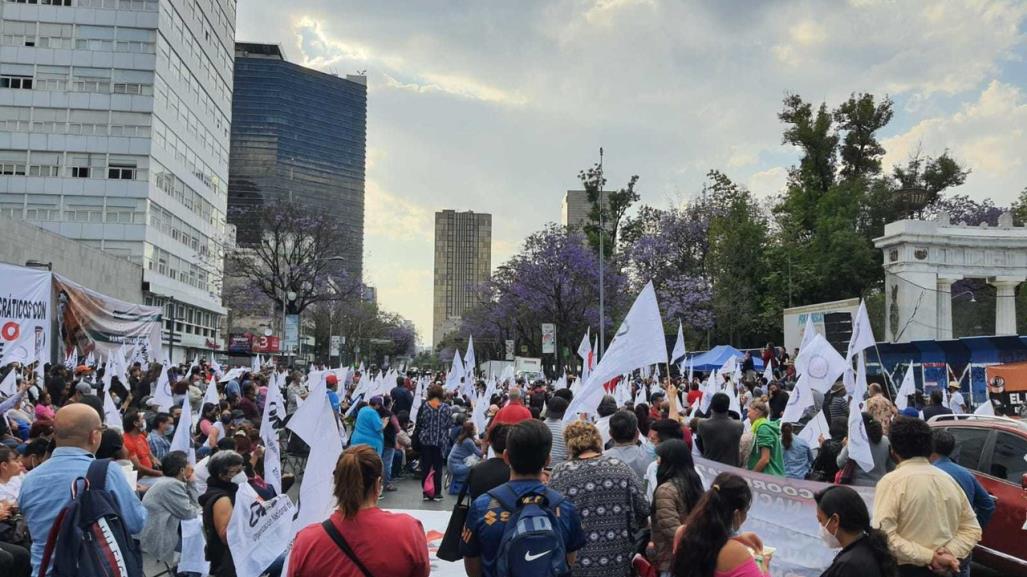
<point x="114" y="130"/>
<point x="576" y="208"/>
<point x="298" y="135"/>
<point x="463" y="260"/>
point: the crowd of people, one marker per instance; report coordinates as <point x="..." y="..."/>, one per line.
<point x="614" y="493"/>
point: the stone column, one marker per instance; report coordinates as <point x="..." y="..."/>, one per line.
<point x="1005" y="304"/>
<point x="945" y="307"/>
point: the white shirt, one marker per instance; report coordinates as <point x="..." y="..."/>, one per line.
<point x="9" y="491"/>
<point x="956" y="403"/>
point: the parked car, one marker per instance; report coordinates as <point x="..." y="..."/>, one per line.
<point x="995" y="449"/>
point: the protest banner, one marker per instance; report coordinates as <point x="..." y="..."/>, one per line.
<point x="94" y="322"/>
<point x="25" y="313"/>
<point x="259" y="531"/>
<point x="784" y="514"/>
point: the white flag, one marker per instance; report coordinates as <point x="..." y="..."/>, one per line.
<point x="183" y="438"/>
<point x="732" y="397"/>
<point x="862" y="334"/>
<point x="799" y="400"/>
<point x="679" y="345"/>
<point x="162" y="392"/>
<point x="640" y="395"/>
<point x="859" y="442"/>
<point x="456" y="372"/>
<point x="768" y="372"/>
<point x="316" y="424"/>
<point x="709" y="388"/>
<point x="255" y="363"/>
<point x="820" y="364"/>
<point x="986" y="408"/>
<point x="69" y="361"/>
<point x="211" y="394"/>
<point x="808" y="332"/>
<point x="111" y="413"/>
<point x="9" y="386"/>
<point x="258" y="531"/>
<point x="194" y="558"/>
<point x="639" y="342"/>
<point x="585" y="352"/>
<point x="481" y="407"/>
<point x="469" y="361"/>
<point x="215" y="366"/>
<point x="908" y="387"/>
<point x="270" y="425"/>
<point x="813" y="430"/>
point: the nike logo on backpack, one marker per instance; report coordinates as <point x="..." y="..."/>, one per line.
<point x="529" y="557"/>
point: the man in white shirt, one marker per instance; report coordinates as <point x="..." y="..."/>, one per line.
<point x="956" y="401"/>
<point x="11" y="474"/>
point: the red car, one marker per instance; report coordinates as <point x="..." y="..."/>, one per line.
<point x="995" y="449"/>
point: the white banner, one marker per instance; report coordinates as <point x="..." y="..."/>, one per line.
<point x="548" y="338"/>
<point x="784" y="515"/>
<point x="25" y="311"/>
<point x="259" y="531"/>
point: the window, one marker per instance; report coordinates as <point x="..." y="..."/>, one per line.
<point x="47" y="164"/>
<point x="969" y="446"/>
<point x="14" y="119"/>
<point x="121" y="172"/>
<point x="83" y="209"/>
<point x="52" y="78"/>
<point x="18" y="82"/>
<point x="1008" y="461"/>
<point x="80" y="172"/>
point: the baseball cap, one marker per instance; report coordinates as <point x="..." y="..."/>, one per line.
<point x="83" y="369"/>
<point x="83" y="388"/>
<point x="331" y="379"/>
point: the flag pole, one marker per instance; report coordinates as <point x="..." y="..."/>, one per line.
<point x="602" y="256"/>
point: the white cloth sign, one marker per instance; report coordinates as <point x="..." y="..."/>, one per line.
<point x="908" y="387"/>
<point x="456" y="373"/>
<point x="639" y="342"/>
<point x="820" y="364"/>
<point x="799" y="400"/>
<point x="859" y="442"/>
<point x="316" y="424"/>
<point x="193" y="559"/>
<point x="162" y="391"/>
<point x="814" y="429"/>
<point x="111" y="413"/>
<point x="270" y="425"/>
<point x="183" y="438"/>
<point x="679" y="345"/>
<point x="25" y="315"/>
<point x="259" y="531"/>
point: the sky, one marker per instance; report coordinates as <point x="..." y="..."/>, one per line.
<point x="496" y="106"/>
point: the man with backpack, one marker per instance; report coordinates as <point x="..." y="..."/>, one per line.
<point x="108" y="506"/>
<point x="522" y="528"/>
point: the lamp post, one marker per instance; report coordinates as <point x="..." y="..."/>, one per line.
<point x="602" y="257"/>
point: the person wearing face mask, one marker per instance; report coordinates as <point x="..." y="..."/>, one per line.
<point x="138" y="448"/>
<point x="845" y="524"/>
<point x="159" y="438"/>
<point x="220" y="429"/>
<point x="171" y="500"/>
<point x="77" y="434"/>
<point x="709" y="544"/>
<point x="225" y="469"/>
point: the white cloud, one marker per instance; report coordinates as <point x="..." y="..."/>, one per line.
<point x="988" y="135"/>
<point x="768" y="183"/>
<point x="392" y="217"/>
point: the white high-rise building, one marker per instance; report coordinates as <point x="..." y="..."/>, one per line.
<point x="114" y="130"/>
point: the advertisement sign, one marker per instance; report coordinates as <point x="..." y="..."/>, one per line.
<point x="239" y="343"/>
<point x="262" y="344"/>
<point x="94" y="322"/>
<point x="25" y="311"/>
<point x="548" y="338"/>
<point x="292" y="333"/>
<point x="510" y="350"/>
<point x="334" y="345"/>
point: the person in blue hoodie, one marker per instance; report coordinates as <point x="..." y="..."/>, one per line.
<point x="370" y="427"/>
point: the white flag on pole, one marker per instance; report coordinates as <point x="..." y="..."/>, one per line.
<point x="9" y="386"/>
<point x="814" y="429"/>
<point x="908" y="387"/>
<point x="183" y="438"/>
<point x="258" y="531"/>
<point x="481" y="406"/>
<point x="986" y="408"/>
<point x="215" y="366"/>
<point x="820" y="364"/>
<point x="469" y="361"/>
<point x="862" y="334"/>
<point x="316" y="424"/>
<point x="679" y="345"/>
<point x="211" y="394"/>
<point x="456" y="372"/>
<point x="639" y="342"/>
<point x="270" y="425"/>
<point x="111" y="414"/>
<point x="768" y="372"/>
<point x="585" y="352"/>
<point x="808" y="332"/>
<point x="162" y="391"/>
<point x="859" y="442"/>
<point x="799" y="400"/>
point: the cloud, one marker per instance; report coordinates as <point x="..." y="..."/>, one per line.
<point x="392" y="217"/>
<point x="457" y="85"/>
<point x="988" y="136"/>
<point x="768" y="183"/>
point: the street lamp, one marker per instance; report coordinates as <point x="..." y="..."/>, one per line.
<point x="973" y="298"/>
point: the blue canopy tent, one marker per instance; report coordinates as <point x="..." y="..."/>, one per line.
<point x="715" y="358"/>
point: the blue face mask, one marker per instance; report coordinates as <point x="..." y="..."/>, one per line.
<point x="171" y="431"/>
<point x="650" y="450"/>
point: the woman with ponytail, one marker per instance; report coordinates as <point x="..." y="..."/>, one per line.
<point x="845" y="524"/>
<point x="360" y="539"/>
<point x="709" y="544"/>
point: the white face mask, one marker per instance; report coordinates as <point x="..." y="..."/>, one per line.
<point x="829" y="539"/>
<point x="239" y="478"/>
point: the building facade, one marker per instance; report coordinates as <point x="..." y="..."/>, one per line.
<point x="115" y="121"/>
<point x="298" y="135"/>
<point x="463" y="260"/>
<point x="576" y="209"/>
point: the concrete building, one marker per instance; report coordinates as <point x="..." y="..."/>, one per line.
<point x="297" y="134"/>
<point x="576" y="208"/>
<point x="463" y="260"/>
<point x="114" y="131"/>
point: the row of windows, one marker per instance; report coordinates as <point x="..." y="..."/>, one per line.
<point x="166" y="138"/>
<point x="188" y="319"/>
<point x="77" y="209"/>
<point x="165" y="221"/>
<point x="206" y="28"/>
<point x="186" y="83"/>
<point x="208" y="140"/>
<point x="176" y="188"/>
<point x="136" y="5"/>
<point x="74" y="121"/>
<point x="80" y="37"/>
<point x="72" y="165"/>
<point x="217" y="76"/>
<point x="93" y="84"/>
<point x="165" y="263"/>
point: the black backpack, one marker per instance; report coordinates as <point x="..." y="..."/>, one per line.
<point x="89" y="538"/>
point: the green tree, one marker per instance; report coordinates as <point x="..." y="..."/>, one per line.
<point x="609" y="213"/>
<point x="1019" y="209"/>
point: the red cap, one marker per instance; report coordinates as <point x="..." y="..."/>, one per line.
<point x="331" y="379"/>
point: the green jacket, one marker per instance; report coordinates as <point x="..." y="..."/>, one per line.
<point x="767" y="433"/>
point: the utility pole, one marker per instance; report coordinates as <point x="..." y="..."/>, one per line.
<point x="171" y="331"/>
<point x="602" y="257"/>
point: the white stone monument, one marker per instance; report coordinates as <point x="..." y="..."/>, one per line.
<point x="923" y="258"/>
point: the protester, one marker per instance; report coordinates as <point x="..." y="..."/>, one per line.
<point x="402" y="398"/>
<point x="527" y="452"/>
<point x="880" y="448"/>
<point x="825" y="466"/>
<point x="369" y="427"/>
<point x="944" y="443"/>
<point x="464" y="455"/>
<point x="12" y="474"/>
<point x="492" y="472"/>
<point x="660" y="432"/>
<point x="390" y="440"/>
<point x="678" y="490"/>
<point x="158" y="439"/>
<point x="879" y="407"/>
<point x="138" y="447"/>
<point x="927" y="518"/>
<point x="836" y="402"/>
<point x="720" y="435"/>
<point x="608" y="495"/>
<point x="225" y="470"/>
<point x="708" y="544"/>
<point x="624" y="436"/>
<point x="360" y="525"/>
<point x="556" y="408"/>
<point x="766" y="456"/>
<point x="778" y="400"/>
<point x="798" y="457"/>
<point x="936" y="407"/>
<point x="171" y="500"/>
<point x="514" y="412"/>
<point x="45" y="490"/>
<point x="607" y="407"/>
<point x="845" y="524"/>
<point x="956" y="402"/>
<point x="433" y="422"/>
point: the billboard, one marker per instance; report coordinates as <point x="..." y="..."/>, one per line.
<point x="25" y="309"/>
<point x="93" y="322"/>
<point x="262" y="344"/>
<point x="239" y="343"/>
<point x="795" y="319"/>
<point x="548" y="338"/>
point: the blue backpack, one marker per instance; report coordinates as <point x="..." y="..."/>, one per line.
<point x="532" y="543"/>
<point x="89" y="538"/>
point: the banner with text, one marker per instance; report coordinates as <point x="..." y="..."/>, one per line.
<point x="784" y="515"/>
<point x="94" y="322"/>
<point x="25" y="313"/>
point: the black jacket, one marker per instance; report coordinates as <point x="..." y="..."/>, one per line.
<point x="720" y="437"/>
